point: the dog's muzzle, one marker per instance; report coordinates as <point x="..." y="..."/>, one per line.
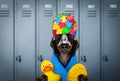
<point x="64" y="46"/>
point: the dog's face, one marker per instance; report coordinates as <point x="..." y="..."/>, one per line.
<point x="64" y="47"/>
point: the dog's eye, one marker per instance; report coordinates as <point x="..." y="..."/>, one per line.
<point x="58" y="37"/>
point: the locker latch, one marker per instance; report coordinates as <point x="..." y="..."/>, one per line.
<point x="40" y="58"/>
<point x="105" y="58"/>
<point x="83" y="58"/>
<point x="18" y="58"/>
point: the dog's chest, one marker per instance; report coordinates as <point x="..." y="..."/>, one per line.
<point x="64" y="59"/>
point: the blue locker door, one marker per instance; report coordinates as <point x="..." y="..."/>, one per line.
<point x="90" y="37"/>
<point x="111" y="40"/>
<point x="25" y="40"/>
<point x="6" y="40"/>
<point x="70" y="7"/>
<point x="46" y="11"/>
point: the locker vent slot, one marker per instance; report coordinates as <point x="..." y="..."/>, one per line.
<point x="69" y="12"/>
<point x="4" y="13"/>
<point x="113" y="13"/>
<point x="48" y="13"/>
<point x="26" y="13"/>
<point x="91" y="13"/>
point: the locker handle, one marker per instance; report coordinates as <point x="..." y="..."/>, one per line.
<point x="84" y="58"/>
<point x="105" y="58"/>
<point x="20" y="59"/>
<point x="40" y="58"/>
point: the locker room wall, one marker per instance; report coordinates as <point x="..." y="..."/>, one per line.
<point x="25" y="35"/>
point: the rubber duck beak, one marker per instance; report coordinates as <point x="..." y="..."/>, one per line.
<point x="47" y="68"/>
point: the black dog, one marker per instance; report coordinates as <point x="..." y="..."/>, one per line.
<point x="64" y="46"/>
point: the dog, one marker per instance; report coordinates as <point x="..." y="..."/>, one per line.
<point x="64" y="46"/>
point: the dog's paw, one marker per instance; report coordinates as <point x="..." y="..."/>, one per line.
<point x="42" y="78"/>
<point x="82" y="78"/>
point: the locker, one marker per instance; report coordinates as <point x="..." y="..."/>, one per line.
<point x="46" y="11"/>
<point x="70" y="7"/>
<point x="110" y="40"/>
<point x="6" y="40"/>
<point x="25" y="40"/>
<point x="90" y="37"/>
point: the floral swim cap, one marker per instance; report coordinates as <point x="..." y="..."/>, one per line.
<point x="64" y="24"/>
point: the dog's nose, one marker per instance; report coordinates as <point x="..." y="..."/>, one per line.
<point x="64" y="46"/>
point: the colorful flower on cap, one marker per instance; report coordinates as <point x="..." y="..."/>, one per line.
<point x="61" y="24"/>
<point x="72" y="31"/>
<point x="57" y="19"/>
<point x="55" y="26"/>
<point x="64" y="24"/>
<point x="69" y="24"/>
<point x="59" y="31"/>
<point x="54" y="32"/>
<point x="66" y="30"/>
<point x="64" y="19"/>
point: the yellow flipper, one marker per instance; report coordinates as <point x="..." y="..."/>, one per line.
<point x="75" y="71"/>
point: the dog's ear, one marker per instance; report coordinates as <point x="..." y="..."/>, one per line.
<point x="74" y="47"/>
<point x="52" y="43"/>
<point x="54" y="46"/>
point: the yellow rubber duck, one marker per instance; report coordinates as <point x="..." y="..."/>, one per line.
<point x="47" y="68"/>
<point x="75" y="71"/>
